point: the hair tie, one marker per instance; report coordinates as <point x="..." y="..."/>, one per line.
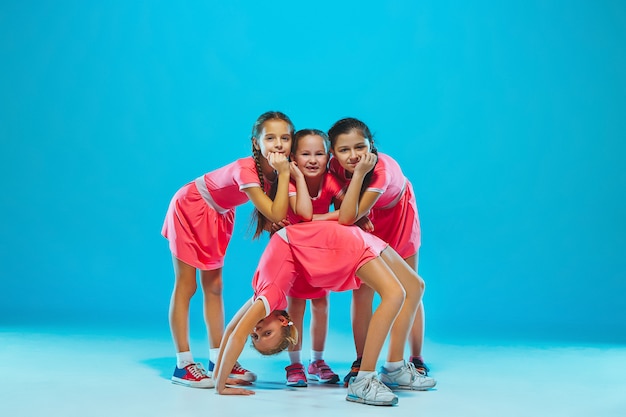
<point x="290" y="323"/>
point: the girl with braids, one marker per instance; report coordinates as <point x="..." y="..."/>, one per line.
<point x="199" y="224"/>
<point x="377" y="190"/>
<point x="332" y="257"/>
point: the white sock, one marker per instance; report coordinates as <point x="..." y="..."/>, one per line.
<point x="363" y="374"/>
<point x="295" y="356"/>
<point x="183" y="359"/>
<point x="316" y="355"/>
<point x="213" y="353"/>
<point x="392" y="366"/>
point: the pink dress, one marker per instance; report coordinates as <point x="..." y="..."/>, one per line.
<point x="329" y="190"/>
<point x="325" y="254"/>
<point x="200" y="218"/>
<point x="394" y="215"/>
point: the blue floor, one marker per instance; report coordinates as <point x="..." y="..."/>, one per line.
<point x="95" y="371"/>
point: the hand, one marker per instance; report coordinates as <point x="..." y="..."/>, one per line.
<point x="295" y="172"/>
<point x="277" y="226"/>
<point x="236" y="381"/>
<point x="278" y="161"/>
<point x="365" y="223"/>
<point x="366" y="163"/>
<point x="236" y="391"/>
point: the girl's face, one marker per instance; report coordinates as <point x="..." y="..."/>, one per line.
<point x="311" y="156"/>
<point x="349" y="148"/>
<point x="268" y="333"/>
<point x="274" y="137"/>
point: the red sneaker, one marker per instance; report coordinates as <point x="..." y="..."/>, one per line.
<point x="192" y="375"/>
<point x="238" y="372"/>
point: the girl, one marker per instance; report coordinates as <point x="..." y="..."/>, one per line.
<point x="385" y="196"/>
<point x="320" y="253"/>
<point x="316" y="191"/>
<point x="199" y="224"/>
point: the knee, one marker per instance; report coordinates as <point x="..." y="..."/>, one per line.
<point x="320" y="305"/>
<point x="421" y="285"/>
<point x="213" y="285"/>
<point x="396" y="296"/>
<point x="185" y="288"/>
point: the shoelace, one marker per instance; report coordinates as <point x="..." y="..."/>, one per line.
<point x="374" y="384"/>
<point x="415" y="373"/>
<point x="239" y="368"/>
<point x="197" y="370"/>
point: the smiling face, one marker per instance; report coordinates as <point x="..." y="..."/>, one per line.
<point x="269" y="333"/>
<point x="275" y="136"/>
<point x="349" y="148"/>
<point x="311" y="155"/>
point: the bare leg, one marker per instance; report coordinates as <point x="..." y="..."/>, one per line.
<point x="296" y="308"/>
<point x="416" y="337"/>
<point x="184" y="288"/>
<point x="319" y="323"/>
<point x="361" y="313"/>
<point x="379" y="276"/>
<point x="213" y="305"/>
<point x="414" y="287"/>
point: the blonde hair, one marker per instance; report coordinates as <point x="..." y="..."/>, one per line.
<point x="289" y="337"/>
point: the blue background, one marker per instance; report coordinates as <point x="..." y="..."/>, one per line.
<point x="509" y="119"/>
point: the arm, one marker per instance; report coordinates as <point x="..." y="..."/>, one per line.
<point x="275" y="210"/>
<point x="333" y="215"/>
<point x="228" y="330"/>
<point x="301" y="204"/>
<point x="233" y="343"/>
<point x="354" y="206"/>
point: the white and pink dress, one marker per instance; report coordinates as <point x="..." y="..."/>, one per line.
<point x="324" y="254"/>
<point x="394" y="215"/>
<point x="200" y="218"/>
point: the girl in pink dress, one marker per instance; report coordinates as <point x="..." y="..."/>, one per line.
<point x="199" y="224"/>
<point x="331" y="257"/>
<point x="377" y="189"/>
<point x="316" y="191"/>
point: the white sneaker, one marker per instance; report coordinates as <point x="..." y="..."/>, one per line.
<point x="406" y="377"/>
<point x="369" y="390"/>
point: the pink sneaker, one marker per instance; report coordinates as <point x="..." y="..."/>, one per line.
<point x="295" y="375"/>
<point x="192" y="375"/>
<point x="320" y="371"/>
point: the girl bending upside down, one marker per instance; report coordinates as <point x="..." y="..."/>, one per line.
<point x="338" y="258"/>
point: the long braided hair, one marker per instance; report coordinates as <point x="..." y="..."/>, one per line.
<point x="347" y="125"/>
<point x="262" y="223"/>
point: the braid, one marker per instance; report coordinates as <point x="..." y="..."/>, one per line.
<point x="262" y="223"/>
<point x="257" y="216"/>
<point x="259" y="171"/>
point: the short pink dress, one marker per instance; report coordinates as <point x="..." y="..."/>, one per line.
<point x="394" y="215"/>
<point x="329" y="190"/>
<point x="200" y="219"/>
<point x="325" y="254"/>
